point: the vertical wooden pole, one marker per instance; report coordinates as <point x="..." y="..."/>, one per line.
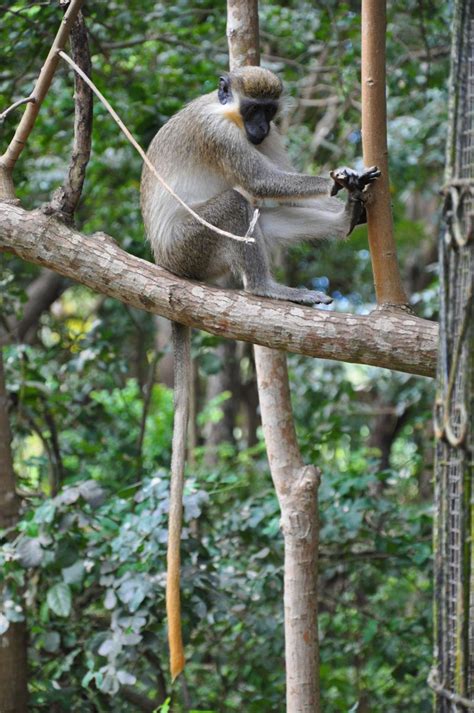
<point x="242" y="33"/>
<point x="296" y="485"/>
<point x="388" y="285"/>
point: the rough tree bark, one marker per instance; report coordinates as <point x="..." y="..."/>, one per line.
<point x="400" y="342"/>
<point x="66" y="199"/>
<point x="296" y="485"/>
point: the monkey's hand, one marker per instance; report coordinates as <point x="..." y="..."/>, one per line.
<point x="352" y="180"/>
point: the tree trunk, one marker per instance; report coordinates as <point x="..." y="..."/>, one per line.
<point x="296" y="484"/>
<point x="297" y="488"/>
<point x="13" y="661"/>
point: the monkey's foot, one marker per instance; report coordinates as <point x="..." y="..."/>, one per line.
<point x="309" y="297"/>
<point x="353" y="181"/>
<point x="319" y="298"/>
<point x="301" y="295"/>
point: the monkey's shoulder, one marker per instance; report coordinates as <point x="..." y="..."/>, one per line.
<point x="203" y="129"/>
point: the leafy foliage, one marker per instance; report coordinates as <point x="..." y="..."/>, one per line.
<point x="86" y="563"/>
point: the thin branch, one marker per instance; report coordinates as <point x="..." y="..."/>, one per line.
<point x="385" y="338"/>
<point x="388" y="285"/>
<point x="66" y="199"/>
<point x="165" y="39"/>
<point x="139" y="700"/>
<point x="53" y="478"/>
<point x="244" y="238"/>
<point x="14" y="106"/>
<point x="9" y="501"/>
<point x="10" y="157"/>
<point x="148" y="390"/>
<point x="55" y="448"/>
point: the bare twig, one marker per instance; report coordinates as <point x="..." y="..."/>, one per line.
<point x="9" y="501"/>
<point x="139" y="700"/>
<point x="145" y="158"/>
<point x="14" y="106"/>
<point x="58" y="466"/>
<point x="165" y="39"/>
<point x="53" y="478"/>
<point x="325" y="125"/>
<point x="10" y="157"/>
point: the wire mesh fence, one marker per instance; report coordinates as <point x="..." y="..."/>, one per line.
<point x="452" y="677"/>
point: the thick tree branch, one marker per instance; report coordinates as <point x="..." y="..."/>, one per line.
<point x="387" y="339"/>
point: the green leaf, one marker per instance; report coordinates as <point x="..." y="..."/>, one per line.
<point x="51" y="642"/>
<point x="59" y="599"/>
<point x="75" y="573"/>
<point x="30" y="553"/>
<point x="45" y="512"/>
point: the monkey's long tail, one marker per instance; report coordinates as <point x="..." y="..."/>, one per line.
<point x="182" y="387"/>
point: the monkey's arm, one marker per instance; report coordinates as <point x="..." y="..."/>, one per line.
<point x="245" y="167"/>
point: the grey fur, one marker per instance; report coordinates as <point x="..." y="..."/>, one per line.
<point x="205" y="156"/>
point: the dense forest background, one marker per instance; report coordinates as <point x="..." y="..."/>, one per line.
<point x="91" y="407"/>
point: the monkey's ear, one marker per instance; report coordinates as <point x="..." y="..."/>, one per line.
<point x="224" y="92"/>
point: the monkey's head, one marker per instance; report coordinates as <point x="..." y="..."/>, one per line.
<point x="253" y="92"/>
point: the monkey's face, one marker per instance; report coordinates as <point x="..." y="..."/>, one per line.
<point x="257" y="115"/>
<point x="253" y="112"/>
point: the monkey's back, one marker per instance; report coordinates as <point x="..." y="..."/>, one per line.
<point x="179" y="152"/>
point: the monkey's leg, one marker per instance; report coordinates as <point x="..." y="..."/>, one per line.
<point x="252" y="262"/>
<point x="202" y="254"/>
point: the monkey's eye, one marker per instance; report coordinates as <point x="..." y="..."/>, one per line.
<point x="270" y="112"/>
<point x="224" y="92"/>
